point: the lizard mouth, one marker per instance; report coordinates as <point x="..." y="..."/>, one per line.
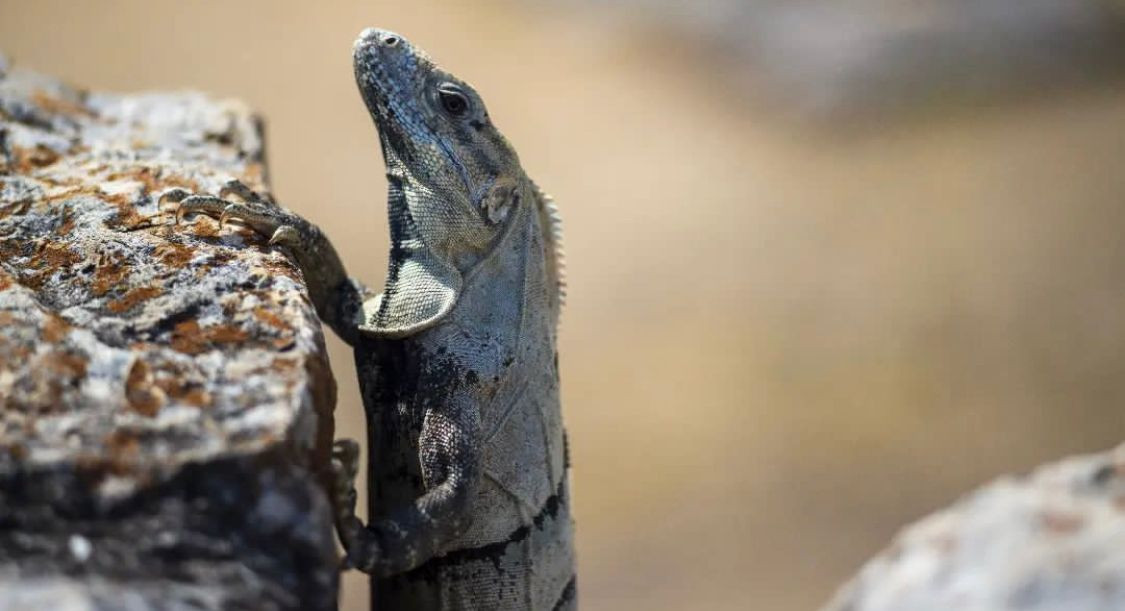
<point x="386" y="70"/>
<point x="392" y="77"/>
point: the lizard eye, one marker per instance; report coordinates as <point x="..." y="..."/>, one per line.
<point x="453" y="101"/>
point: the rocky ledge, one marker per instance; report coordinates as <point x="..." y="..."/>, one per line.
<point x="165" y="399"/>
<point x="1051" y="541"/>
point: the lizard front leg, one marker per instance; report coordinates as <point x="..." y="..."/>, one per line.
<point x="410" y="535"/>
<point x="338" y="299"/>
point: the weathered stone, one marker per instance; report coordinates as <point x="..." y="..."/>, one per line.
<point x="165" y="400"/>
<point x="1051" y="541"/>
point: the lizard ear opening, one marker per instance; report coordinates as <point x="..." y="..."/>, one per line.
<point x="499" y="200"/>
<point x="420" y="291"/>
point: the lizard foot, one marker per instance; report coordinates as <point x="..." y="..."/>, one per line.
<point x="238" y="202"/>
<point x="338" y="300"/>
<point x="345" y="467"/>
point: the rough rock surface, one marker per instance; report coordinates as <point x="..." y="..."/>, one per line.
<point x="165" y="400"/>
<point x="1050" y="541"/>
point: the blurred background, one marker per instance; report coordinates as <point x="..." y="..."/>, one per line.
<point x="833" y="262"/>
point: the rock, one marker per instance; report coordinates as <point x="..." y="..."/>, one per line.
<point x="1051" y="541"/>
<point x="165" y="398"/>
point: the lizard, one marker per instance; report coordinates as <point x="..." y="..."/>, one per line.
<point x="457" y="356"/>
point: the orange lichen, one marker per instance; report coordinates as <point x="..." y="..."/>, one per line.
<point x="281" y="267"/>
<point x="132" y="298"/>
<point x="127" y="218"/>
<point x="207" y="230"/>
<point x="173" y="255"/>
<point x="143" y="397"/>
<point x="9" y="249"/>
<point x="107" y="276"/>
<point x="283" y="343"/>
<point x="54" y="329"/>
<point x="221" y="257"/>
<point x="47" y="258"/>
<point x="197" y="397"/>
<point x="226" y="334"/>
<point x="188" y="337"/>
<point x="154" y="179"/>
<point x="15" y="208"/>
<point x="284" y="366"/>
<point x="16" y="353"/>
<point x="270" y="318"/>
<point x="254" y="175"/>
<point x="27" y="159"/>
<point x="130" y="220"/>
<point x="75" y="191"/>
<point x="122" y="451"/>
<point x="65" y="364"/>
<point x="54" y="255"/>
<point x="55" y="105"/>
<point x="231" y="306"/>
<point x="187" y="392"/>
<point x="66" y="225"/>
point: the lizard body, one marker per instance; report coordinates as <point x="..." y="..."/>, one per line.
<point x="456" y="357"/>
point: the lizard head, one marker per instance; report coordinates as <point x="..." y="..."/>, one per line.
<point x="454" y="179"/>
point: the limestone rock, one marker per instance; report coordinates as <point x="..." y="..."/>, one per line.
<point x="165" y="399"/>
<point x="1051" y="541"/>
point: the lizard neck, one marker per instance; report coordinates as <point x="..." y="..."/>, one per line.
<point x="518" y="273"/>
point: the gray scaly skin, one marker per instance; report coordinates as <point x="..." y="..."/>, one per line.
<point x="456" y="357"/>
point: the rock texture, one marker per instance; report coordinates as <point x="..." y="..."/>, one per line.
<point x="165" y="400"/>
<point x="1051" y="541"/>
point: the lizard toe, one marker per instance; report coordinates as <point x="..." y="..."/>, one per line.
<point x="174" y="195"/>
<point x="194" y="204"/>
<point x="345" y="468"/>
<point x="262" y="219"/>
<point x="237" y="188"/>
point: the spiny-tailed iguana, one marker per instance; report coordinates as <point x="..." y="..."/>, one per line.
<point x="457" y="356"/>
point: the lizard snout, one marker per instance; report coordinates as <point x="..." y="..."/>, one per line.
<point x="376" y="37"/>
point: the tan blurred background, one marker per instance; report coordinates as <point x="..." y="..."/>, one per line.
<point x="813" y="296"/>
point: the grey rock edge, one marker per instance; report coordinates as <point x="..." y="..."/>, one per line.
<point x="1051" y="541"/>
<point x="165" y="397"/>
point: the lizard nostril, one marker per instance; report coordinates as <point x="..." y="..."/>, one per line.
<point x="390" y="41"/>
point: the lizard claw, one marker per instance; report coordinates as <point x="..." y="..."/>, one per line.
<point x="194" y="204"/>
<point x="285" y="235"/>
<point x="232" y="211"/>
<point x="360" y="550"/>
<point x="175" y="195"/>
<point x="346" y="563"/>
<point x="238" y="189"/>
<point x="345" y="468"/>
